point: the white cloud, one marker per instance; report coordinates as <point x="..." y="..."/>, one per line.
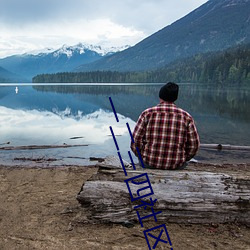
<point x="32" y="24"/>
<point x="33" y="127"/>
<point x="38" y="36"/>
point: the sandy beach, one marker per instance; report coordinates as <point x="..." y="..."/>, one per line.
<point x="39" y="210"/>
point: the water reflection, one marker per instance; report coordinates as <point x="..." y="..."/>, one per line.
<point x="225" y="101"/>
<point x="52" y="114"/>
<point x="230" y="102"/>
<point x="33" y="127"/>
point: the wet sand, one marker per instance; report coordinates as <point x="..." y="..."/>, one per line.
<point x="39" y="210"/>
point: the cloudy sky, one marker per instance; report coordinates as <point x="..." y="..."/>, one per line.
<point x="29" y="25"/>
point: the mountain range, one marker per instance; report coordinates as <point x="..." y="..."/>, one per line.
<point x="64" y="59"/>
<point x="7" y="76"/>
<point x="214" y="26"/>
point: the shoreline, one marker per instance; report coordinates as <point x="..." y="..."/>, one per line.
<point x="194" y="166"/>
<point x="54" y="157"/>
<point x="39" y="210"/>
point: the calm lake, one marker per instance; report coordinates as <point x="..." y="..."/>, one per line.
<point x="81" y="114"/>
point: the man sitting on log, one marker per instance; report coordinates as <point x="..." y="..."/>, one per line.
<point x="165" y="135"/>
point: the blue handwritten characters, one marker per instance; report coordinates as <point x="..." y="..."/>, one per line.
<point x="138" y="181"/>
<point x="140" y="187"/>
<point x="163" y="233"/>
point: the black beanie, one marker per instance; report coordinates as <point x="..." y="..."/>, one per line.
<point x="169" y="92"/>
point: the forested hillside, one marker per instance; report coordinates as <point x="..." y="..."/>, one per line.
<point x="214" y="26"/>
<point x="231" y="66"/>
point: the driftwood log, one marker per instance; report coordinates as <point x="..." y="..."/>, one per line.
<point x="30" y="147"/>
<point x="224" y="147"/>
<point x="182" y="196"/>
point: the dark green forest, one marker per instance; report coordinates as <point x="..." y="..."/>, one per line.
<point x="231" y="66"/>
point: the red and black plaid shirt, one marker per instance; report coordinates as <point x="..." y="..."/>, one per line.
<point x="166" y="136"/>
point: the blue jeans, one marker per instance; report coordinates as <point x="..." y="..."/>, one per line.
<point x="183" y="166"/>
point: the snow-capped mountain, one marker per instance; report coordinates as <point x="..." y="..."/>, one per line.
<point x="81" y="48"/>
<point x="49" y="60"/>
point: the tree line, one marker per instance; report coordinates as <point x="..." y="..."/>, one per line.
<point x="231" y="66"/>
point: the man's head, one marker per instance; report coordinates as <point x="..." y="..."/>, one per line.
<point x="169" y="92"/>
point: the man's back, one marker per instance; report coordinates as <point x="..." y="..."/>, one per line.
<point x="166" y="136"/>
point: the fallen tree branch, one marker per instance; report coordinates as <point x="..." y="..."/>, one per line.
<point x="41" y="159"/>
<point x="29" y="147"/>
<point x="224" y="147"/>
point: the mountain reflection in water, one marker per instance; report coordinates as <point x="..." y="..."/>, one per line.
<point x="52" y="114"/>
